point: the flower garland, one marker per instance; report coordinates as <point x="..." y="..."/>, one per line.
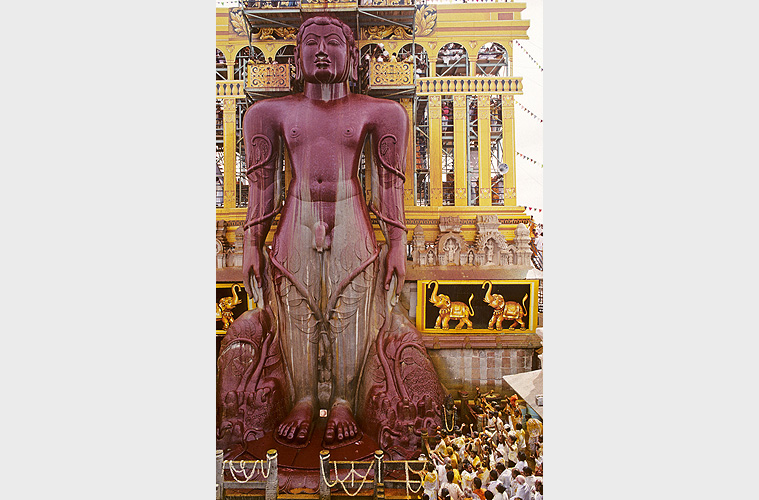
<point x="252" y="472"/>
<point x="408" y="483"/>
<point x="528" y="55"/>
<point x="350" y="474"/>
<point x="445" y="420"/>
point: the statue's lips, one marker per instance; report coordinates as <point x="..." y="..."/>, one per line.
<point x="322" y="64"/>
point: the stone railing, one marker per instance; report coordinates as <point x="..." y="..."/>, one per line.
<point x="230" y="88"/>
<point x="391" y="74"/>
<point x="469" y="85"/>
<point x="271" y="4"/>
<point x="268" y="77"/>
<point x="322" y="4"/>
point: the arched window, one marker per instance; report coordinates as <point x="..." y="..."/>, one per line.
<point x="221" y="65"/>
<point x="420" y="57"/>
<point x="452" y="60"/>
<point x="492" y="60"/>
<point x="242" y="59"/>
<point x="285" y="54"/>
<point x="366" y="54"/>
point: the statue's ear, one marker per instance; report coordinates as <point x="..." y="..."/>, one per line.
<point x="354" y="64"/>
<point x="298" y="74"/>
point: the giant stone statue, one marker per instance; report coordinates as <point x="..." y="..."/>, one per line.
<point x="325" y="334"/>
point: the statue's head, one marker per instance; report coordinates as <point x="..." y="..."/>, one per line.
<point x="325" y="51"/>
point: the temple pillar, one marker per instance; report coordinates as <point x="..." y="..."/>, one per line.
<point x="483" y="143"/>
<point x="509" y="153"/>
<point x="436" y="150"/>
<point x="408" y="186"/>
<point x="460" y="150"/>
<point x="230" y="142"/>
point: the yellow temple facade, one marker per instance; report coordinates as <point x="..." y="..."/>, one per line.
<point x="451" y="66"/>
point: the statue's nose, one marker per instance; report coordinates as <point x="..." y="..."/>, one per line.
<point x="322" y="48"/>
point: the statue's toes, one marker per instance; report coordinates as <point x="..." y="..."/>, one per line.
<point x="329" y="434"/>
<point x="303" y="433"/>
<point x="340" y="433"/>
<point x="291" y="432"/>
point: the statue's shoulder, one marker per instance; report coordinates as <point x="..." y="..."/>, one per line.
<point x="381" y="107"/>
<point x="270" y="110"/>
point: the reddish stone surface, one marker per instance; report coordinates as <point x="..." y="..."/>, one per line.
<point x="325" y="337"/>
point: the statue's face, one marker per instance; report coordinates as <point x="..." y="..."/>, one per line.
<point x="324" y="54"/>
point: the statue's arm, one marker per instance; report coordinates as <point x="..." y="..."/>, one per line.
<point x="389" y="140"/>
<point x="261" y="155"/>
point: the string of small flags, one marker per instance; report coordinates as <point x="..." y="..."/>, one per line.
<point x="533" y="208"/>
<point x="528" y="55"/>
<point x="528" y="111"/>
<point x="528" y="159"/>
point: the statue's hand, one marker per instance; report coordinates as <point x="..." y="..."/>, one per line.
<point x="396" y="263"/>
<point x="252" y="264"/>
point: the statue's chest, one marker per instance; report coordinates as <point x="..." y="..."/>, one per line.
<point x="329" y="131"/>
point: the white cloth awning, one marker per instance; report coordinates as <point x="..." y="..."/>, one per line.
<point x="528" y="385"/>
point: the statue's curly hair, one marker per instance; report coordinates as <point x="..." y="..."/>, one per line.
<point x="350" y="40"/>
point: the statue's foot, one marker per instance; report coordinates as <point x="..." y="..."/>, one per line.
<point x="341" y="427"/>
<point x="296" y="427"/>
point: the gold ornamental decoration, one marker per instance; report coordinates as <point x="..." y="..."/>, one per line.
<point x="276" y="34"/>
<point x="269" y="76"/>
<point x="391" y="74"/>
<point x="225" y="306"/>
<point x="502" y="307"/>
<point x="237" y="21"/>
<point x="425" y="19"/>
<point x="450" y="310"/>
<point x="386" y="32"/>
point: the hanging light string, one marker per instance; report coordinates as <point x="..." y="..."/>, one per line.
<point x="528" y="55"/>
<point x="528" y="159"/>
<point x="528" y="111"/>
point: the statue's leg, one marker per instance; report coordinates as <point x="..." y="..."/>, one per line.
<point x="296" y="269"/>
<point x="350" y="267"/>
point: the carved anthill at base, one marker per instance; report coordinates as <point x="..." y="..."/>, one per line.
<point x="251" y="387"/>
<point x="399" y="394"/>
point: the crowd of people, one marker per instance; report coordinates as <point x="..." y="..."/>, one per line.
<point x="504" y="461"/>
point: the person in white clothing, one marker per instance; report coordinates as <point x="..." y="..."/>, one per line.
<point x="523" y="490"/>
<point x="431" y="483"/>
<point x="493" y="480"/>
<point x="521" y="461"/>
<point x="528" y="477"/>
<point x="538" y="490"/>
<point x="467" y="475"/>
<point x="500" y="492"/>
<point x="454" y="490"/>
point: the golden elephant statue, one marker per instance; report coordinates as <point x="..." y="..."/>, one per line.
<point x="450" y="310"/>
<point x="504" y="310"/>
<point x="225" y="306"/>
